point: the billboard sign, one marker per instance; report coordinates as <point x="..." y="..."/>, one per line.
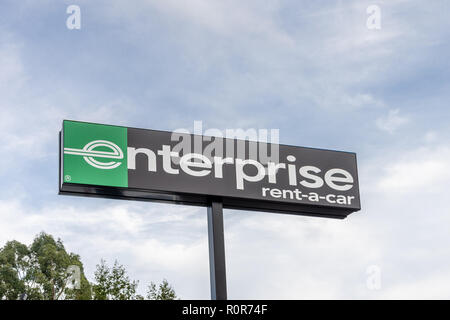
<point x="140" y="164"/>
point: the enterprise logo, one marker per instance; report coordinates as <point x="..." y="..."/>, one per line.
<point x="198" y="165"/>
<point x="89" y="153"/>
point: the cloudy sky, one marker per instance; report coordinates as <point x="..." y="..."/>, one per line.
<point x="312" y="69"/>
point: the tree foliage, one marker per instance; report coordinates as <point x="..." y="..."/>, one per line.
<point x="163" y="292"/>
<point x="45" y="271"/>
<point x="113" y="283"/>
<point x="40" y="271"/>
<point x="14" y="270"/>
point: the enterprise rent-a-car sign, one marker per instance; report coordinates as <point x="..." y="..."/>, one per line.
<point x="129" y="163"/>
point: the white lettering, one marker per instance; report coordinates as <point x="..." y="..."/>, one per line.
<point x="218" y="165"/>
<point x="167" y="161"/>
<point x="331" y="179"/>
<point x="241" y="175"/>
<point x="304" y="172"/>
<point x="151" y="157"/>
<point x="273" y="169"/>
<point x="203" y="162"/>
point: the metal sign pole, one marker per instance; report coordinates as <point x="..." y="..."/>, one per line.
<point x="217" y="251"/>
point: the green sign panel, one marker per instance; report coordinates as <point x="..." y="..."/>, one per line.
<point x="95" y="154"/>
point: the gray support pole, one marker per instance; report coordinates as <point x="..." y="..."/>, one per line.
<point x="217" y="251"/>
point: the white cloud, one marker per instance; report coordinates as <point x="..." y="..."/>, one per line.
<point x="392" y="122"/>
<point x="425" y="169"/>
<point x="432" y="287"/>
<point x="12" y="76"/>
<point x="291" y="257"/>
<point x="431" y="136"/>
<point x="250" y="18"/>
<point x="300" y="67"/>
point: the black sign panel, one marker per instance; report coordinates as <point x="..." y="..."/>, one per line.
<point x="130" y="163"/>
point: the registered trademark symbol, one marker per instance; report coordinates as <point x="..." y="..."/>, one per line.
<point x="67" y="178"/>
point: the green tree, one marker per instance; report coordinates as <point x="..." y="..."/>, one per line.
<point x="163" y="292"/>
<point x="46" y="271"/>
<point x="14" y="269"/>
<point x="114" y="283"/>
<point x="40" y="271"/>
